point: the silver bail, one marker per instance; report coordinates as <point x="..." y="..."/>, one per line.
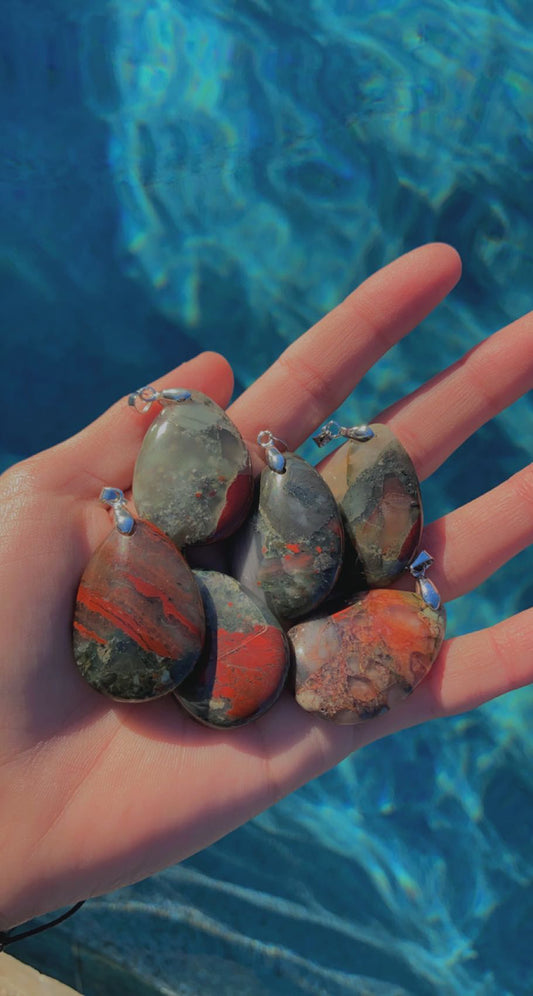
<point x="143" y="399"/>
<point x="425" y="588"/>
<point x="273" y="456"/>
<point x="332" y="430"/>
<point x="124" y="520"/>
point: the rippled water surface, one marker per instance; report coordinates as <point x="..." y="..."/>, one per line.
<point x="179" y="175"/>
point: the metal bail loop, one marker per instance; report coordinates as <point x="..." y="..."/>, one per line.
<point x="273" y="456"/>
<point x="425" y="588"/>
<point x="332" y="430"/>
<point x="124" y="520"/>
<point x="143" y="399"/>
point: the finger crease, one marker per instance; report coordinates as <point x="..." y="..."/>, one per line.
<point x="314" y="386"/>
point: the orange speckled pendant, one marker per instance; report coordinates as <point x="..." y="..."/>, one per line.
<point x="359" y="662"/>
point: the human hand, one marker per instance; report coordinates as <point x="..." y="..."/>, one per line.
<point x="96" y="794"/>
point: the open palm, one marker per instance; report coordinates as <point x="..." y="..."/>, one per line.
<point x="96" y="794"/>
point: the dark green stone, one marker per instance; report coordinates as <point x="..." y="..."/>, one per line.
<point x="290" y="550"/>
<point x="376" y="486"/>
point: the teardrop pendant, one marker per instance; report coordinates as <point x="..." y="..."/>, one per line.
<point x="376" y="486"/>
<point x="244" y="664"/>
<point x="290" y="550"/>
<point x="139" y="621"/>
<point x="359" y="662"/>
<point x="193" y="475"/>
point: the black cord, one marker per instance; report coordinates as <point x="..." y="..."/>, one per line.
<point x="6" y="937"/>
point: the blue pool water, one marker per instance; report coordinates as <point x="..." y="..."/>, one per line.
<point x="219" y="173"/>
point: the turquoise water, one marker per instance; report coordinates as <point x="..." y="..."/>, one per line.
<point x="219" y="174"/>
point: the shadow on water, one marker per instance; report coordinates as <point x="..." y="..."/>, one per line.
<point x="93" y="972"/>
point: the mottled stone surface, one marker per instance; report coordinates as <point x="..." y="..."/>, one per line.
<point x="357" y="663"/>
<point x="243" y="667"/>
<point x="193" y="475"/>
<point x="139" y="620"/>
<point x="290" y="550"/>
<point x="376" y="486"/>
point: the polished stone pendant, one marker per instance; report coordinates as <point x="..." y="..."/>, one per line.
<point x="139" y="621"/>
<point x="193" y="476"/>
<point x="375" y="484"/>
<point x="243" y="667"/>
<point x="362" y="660"/>
<point x="290" y="550"/>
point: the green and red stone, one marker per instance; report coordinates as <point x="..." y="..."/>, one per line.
<point x="243" y="667"/>
<point x="376" y="486"/>
<point x="362" y="660"/>
<point x="289" y="552"/>
<point x="193" y="475"/>
<point x="139" y="622"/>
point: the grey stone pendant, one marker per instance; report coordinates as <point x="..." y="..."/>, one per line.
<point x="376" y="486"/>
<point x="193" y="476"/>
<point x="289" y="551"/>
<point x="242" y="669"/>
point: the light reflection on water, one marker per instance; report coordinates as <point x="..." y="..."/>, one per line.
<point x="269" y="130"/>
<point x="265" y="157"/>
